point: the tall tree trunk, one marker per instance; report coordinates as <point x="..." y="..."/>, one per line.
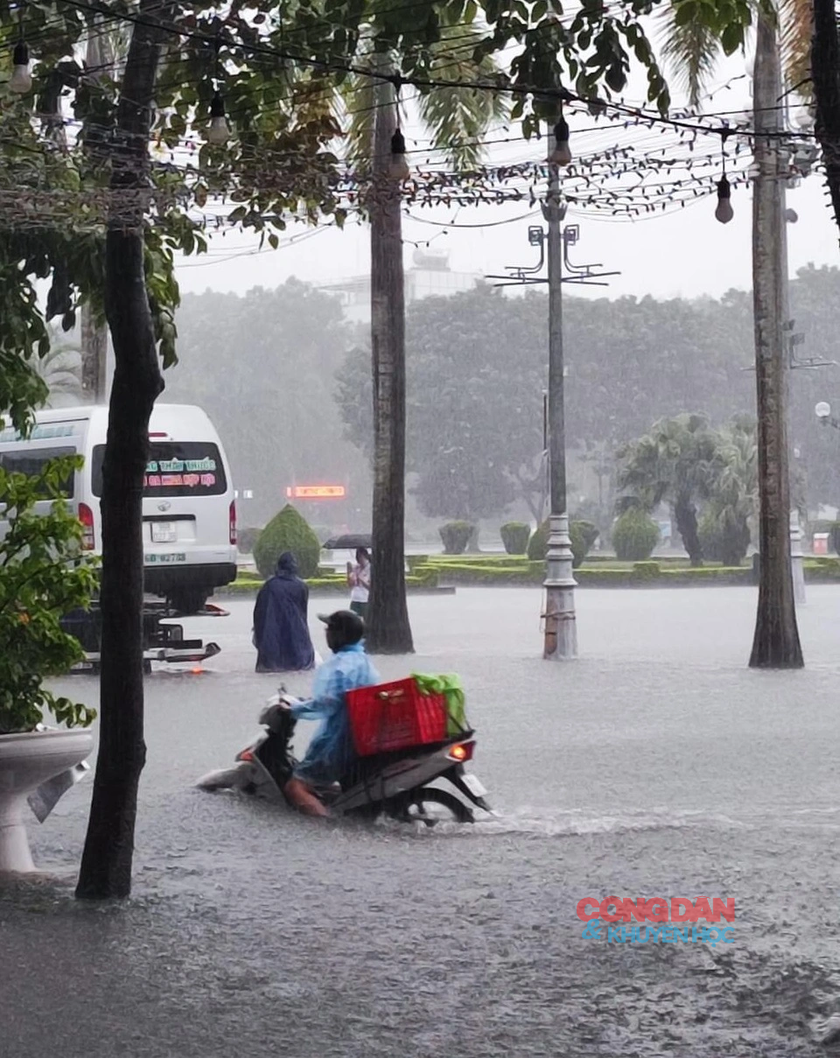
<point x="109" y="846"/>
<point x="94" y="333"/>
<point x="389" y="631"/>
<point x="685" y="515"/>
<point x="825" y="73"/>
<point x="776" y="642"/>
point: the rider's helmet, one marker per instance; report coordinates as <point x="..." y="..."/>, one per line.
<point x="344" y="628"/>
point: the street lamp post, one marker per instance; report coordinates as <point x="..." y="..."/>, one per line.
<point x="560" y="621"/>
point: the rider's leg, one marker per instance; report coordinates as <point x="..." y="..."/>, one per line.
<point x="303" y="798"/>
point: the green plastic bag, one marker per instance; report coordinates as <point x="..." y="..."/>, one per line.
<point x="456" y="701"/>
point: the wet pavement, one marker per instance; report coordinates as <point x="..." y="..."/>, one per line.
<point x="655" y="765"/>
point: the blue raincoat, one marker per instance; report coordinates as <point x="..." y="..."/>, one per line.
<point x="330" y="754"/>
<point x="281" y="632"/>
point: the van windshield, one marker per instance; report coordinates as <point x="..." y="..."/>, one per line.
<point x="175" y="468"/>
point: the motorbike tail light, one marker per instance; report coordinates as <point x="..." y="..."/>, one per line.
<point x="461" y="751"/>
<point x="246" y="754"/>
<point x="86" y="518"/>
<point x="232" y="521"/>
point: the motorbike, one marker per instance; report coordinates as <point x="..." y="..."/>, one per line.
<point x="396" y="784"/>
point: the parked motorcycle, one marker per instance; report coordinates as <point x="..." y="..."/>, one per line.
<point x="395" y="784"/>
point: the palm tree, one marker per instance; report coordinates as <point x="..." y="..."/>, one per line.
<point x="776" y="641"/>
<point x="61" y="370"/>
<point x="725" y="525"/>
<point x="672" y="464"/>
<point x="455" y="119"/>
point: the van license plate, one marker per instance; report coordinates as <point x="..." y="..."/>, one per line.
<point x="163" y="533"/>
<point x="473" y="785"/>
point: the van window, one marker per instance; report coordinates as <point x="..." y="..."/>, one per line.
<point x="31" y="462"/>
<point x="175" y="468"/>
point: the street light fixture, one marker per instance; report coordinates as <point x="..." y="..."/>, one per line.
<point x="823" y="413"/>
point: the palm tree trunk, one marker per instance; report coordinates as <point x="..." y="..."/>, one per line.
<point x="389" y="631"/>
<point x="685" y="515"/>
<point x="776" y="642"/>
<point x="825" y="72"/>
<point x="109" y="845"/>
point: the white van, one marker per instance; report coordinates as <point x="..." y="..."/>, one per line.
<point x="189" y="513"/>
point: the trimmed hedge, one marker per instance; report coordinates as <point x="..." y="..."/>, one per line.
<point x="515" y="536"/>
<point x="635" y="535"/>
<point x="456" y="536"/>
<point x="251" y="585"/>
<point x="288" y="531"/>
<point x="581" y="533"/>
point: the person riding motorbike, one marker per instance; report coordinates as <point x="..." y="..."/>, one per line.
<point x="330" y="752"/>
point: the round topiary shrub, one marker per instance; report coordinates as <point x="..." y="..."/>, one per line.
<point x="582" y="534"/>
<point x="515" y="537"/>
<point x="456" y="536"/>
<point x="287" y="531"/>
<point x="538" y="544"/>
<point x="635" y="535"/>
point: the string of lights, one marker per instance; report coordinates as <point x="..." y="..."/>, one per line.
<point x="617" y="180"/>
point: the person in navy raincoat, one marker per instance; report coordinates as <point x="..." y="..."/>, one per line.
<point x="281" y="632"/>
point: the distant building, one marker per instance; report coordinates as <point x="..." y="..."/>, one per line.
<point x="429" y="275"/>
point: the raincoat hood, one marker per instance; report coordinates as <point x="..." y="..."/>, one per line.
<point x="286" y="565"/>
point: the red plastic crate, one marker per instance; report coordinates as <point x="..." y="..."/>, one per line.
<point x="395" y="715"/>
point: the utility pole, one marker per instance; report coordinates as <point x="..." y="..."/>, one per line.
<point x="776" y="641"/>
<point x="560" y="620"/>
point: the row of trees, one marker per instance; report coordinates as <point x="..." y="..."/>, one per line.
<point x="476" y="371"/>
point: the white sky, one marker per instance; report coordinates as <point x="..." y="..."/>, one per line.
<point x="686" y="253"/>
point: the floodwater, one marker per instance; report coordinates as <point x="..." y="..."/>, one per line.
<point x="657" y="764"/>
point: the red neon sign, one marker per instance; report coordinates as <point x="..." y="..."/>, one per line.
<point x="315" y="492"/>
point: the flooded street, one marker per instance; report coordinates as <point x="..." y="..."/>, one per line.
<point x="656" y="765"/>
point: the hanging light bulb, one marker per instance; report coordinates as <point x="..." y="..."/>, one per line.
<point x="398" y="169"/>
<point x="21" y="80"/>
<point x="724" y="212"/>
<point x="596" y="107"/>
<point x="562" y="154"/>
<point x="219" y="131"/>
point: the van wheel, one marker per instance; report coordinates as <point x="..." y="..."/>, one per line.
<point x="188" y="600"/>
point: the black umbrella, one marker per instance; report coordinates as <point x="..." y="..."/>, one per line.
<point x="348" y="542"/>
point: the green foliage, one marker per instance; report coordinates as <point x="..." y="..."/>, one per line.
<point x="646" y="570"/>
<point x="456" y="536"/>
<point x="515" y="536"/>
<point x="43" y="575"/>
<point x="635" y="535"/>
<point x="288" y="531"/>
<point x="583" y="535"/>
<point x="672" y="463"/>
<point x="538" y="544"/>
<point x="725" y="538"/>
